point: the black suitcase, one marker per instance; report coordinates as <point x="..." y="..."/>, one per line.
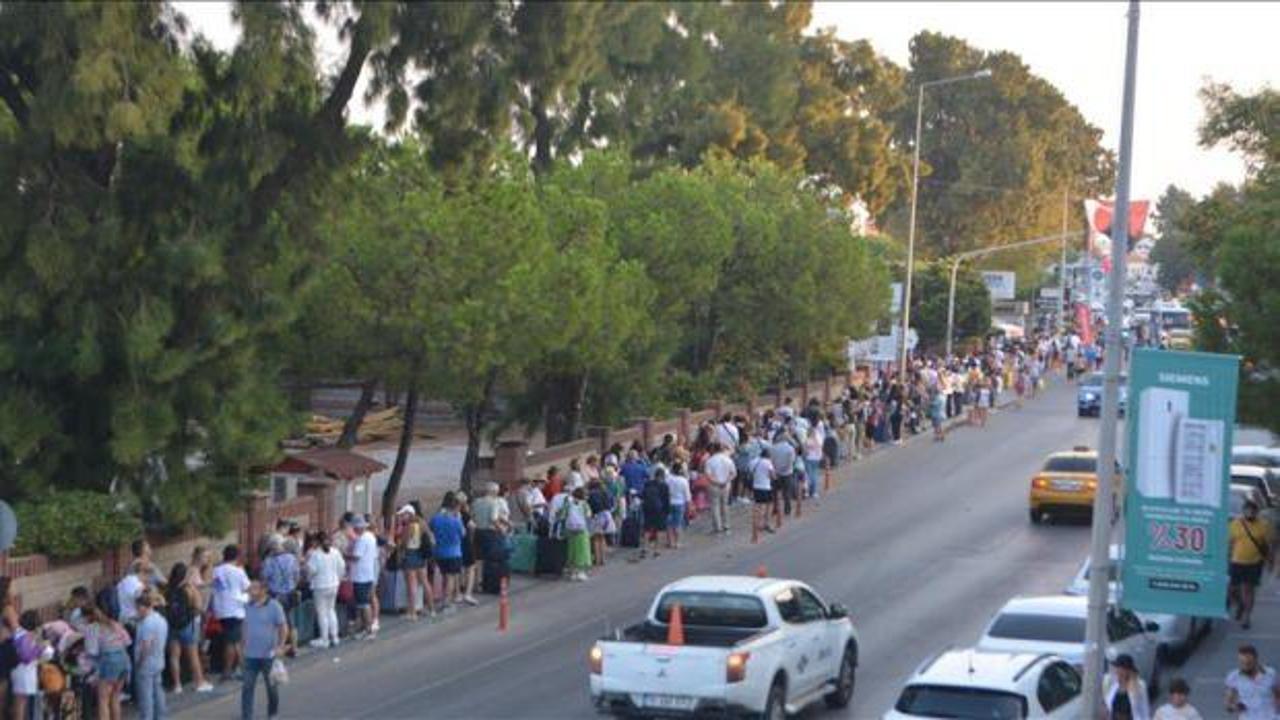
<point x="491" y="574"/>
<point x="630" y="534"/>
<point x="552" y="555"/>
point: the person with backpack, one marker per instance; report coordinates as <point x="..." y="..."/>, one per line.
<point x="575" y="514"/>
<point x="655" y="507"/>
<point x="282" y="572"/>
<point x="1250" y="547"/>
<point x="601" y="503"/>
<point x="183" y="612"/>
<point x="106" y="642"/>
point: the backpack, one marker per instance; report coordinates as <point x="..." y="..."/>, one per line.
<point x="108" y="602"/>
<point x="178" y="609"/>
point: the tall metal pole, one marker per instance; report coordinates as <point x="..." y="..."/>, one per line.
<point x="1100" y="558"/>
<point x="1062" y="267"/>
<point x="911" y="238"/>
<point x="951" y="303"/>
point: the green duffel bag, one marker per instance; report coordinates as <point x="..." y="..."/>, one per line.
<point x="524" y="553"/>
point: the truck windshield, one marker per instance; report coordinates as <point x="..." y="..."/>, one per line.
<point x="712" y="609"/>
<point x="941" y="701"/>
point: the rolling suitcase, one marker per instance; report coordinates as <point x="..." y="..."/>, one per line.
<point x="524" y="556"/>
<point x="630" y="535"/>
<point x="553" y="553"/>
<point x="393" y="592"/>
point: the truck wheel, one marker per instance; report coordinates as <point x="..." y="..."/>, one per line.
<point x="1035" y="516"/>
<point x="843" y="693"/>
<point x="775" y="706"/>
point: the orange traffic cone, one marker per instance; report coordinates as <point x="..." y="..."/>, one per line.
<point x="675" y="628"/>
<point x="504" y="608"/>
<point x="761" y="572"/>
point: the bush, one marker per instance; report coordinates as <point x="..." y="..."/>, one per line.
<point x="73" y="523"/>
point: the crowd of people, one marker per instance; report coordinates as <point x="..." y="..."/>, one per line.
<point x="239" y="615"/>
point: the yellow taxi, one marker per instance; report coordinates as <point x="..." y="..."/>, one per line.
<point x="1067" y="484"/>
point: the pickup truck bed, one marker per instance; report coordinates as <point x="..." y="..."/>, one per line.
<point x="719" y="637"/>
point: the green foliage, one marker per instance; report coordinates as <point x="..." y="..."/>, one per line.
<point x="996" y="154"/>
<point x="930" y="290"/>
<point x="74" y="523"/>
<point x="1236" y="231"/>
<point x="1172" y="251"/>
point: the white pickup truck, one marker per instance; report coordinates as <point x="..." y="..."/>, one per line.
<point x="754" y="647"/>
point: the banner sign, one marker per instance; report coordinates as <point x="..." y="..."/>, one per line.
<point x="1000" y="283"/>
<point x="1100" y="212"/>
<point x="1182" y="409"/>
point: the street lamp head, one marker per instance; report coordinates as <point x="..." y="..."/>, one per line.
<point x="983" y="73"/>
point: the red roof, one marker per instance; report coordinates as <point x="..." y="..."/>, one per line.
<point x="335" y="462"/>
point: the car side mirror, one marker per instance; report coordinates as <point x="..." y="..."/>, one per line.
<point x="837" y="611"/>
<point x="1152" y="627"/>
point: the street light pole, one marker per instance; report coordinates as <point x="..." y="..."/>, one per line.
<point x="1062" y="267"/>
<point x="1100" y="555"/>
<point x="955" y="269"/>
<point x="911" y="227"/>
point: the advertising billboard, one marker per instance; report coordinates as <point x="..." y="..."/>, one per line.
<point x="1182" y="409"/>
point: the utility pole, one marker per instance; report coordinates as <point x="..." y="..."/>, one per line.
<point x="1100" y="557"/>
<point x="1062" y="267"/>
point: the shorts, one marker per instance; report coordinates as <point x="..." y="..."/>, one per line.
<point x="363" y="592"/>
<point x="675" y="518"/>
<point x="1250" y="575"/>
<point x="189" y="635"/>
<point x="762" y="497"/>
<point x="113" y="665"/>
<point x="450" y="566"/>
<point x="231" y="630"/>
<point x="413" y="560"/>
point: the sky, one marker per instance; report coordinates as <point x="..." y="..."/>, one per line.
<point x="1077" y="46"/>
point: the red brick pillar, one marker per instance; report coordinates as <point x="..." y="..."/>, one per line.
<point x="255" y="525"/>
<point x="751" y="409"/>
<point x="826" y="392"/>
<point x="604" y="434"/>
<point x="777" y="397"/>
<point x="508" y="463"/>
<point x="646" y="432"/>
<point x="683" y="418"/>
<point x="804" y="396"/>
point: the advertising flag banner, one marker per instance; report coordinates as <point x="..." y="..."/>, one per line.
<point x="1100" y="213"/>
<point x="1181" y="411"/>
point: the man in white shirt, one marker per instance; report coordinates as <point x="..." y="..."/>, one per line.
<point x="721" y="471"/>
<point x="129" y="588"/>
<point x="364" y="573"/>
<point x="727" y="433"/>
<point x="230" y="593"/>
<point x="1252" y="689"/>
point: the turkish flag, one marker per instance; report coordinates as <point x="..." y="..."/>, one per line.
<point x="1101" y="212"/>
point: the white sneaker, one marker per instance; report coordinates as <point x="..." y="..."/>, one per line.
<point x="319" y="643"/>
<point x="376" y="626"/>
<point x="177" y="689"/>
<point x="470" y="600"/>
<point x="204" y="687"/>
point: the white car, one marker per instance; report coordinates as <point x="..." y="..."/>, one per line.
<point x="1177" y="634"/>
<point x="752" y="646"/>
<point x="1263" y="457"/>
<point x="1256" y="476"/>
<point x="990" y="686"/>
<point x="1056" y="624"/>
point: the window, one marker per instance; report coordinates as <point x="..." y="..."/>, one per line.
<point x="714" y="609"/>
<point x="1122" y="624"/>
<point x="1048" y="628"/>
<point x="789" y="606"/>
<point x="811" y="608"/>
<point x="1265" y="461"/>
<point x="1058" y="685"/>
<point x="1071" y="464"/>
<point x="941" y="701"/>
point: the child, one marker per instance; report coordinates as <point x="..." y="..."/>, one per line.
<point x="24" y="680"/>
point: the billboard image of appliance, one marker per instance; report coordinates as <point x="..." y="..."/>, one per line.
<point x="1179" y="457"/>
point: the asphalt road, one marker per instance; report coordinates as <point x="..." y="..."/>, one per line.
<point x="923" y="543"/>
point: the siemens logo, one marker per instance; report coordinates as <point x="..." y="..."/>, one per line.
<point x="1181" y="379"/>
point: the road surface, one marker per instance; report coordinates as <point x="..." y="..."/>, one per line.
<point x="923" y="543"/>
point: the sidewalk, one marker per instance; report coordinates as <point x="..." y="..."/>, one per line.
<point x="1208" y="666"/>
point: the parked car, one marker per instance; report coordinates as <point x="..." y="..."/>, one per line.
<point x="1177" y="635"/>
<point x="1056" y="624"/>
<point x="991" y="686"/>
<point x="1263" y="457"/>
<point x="1239" y="494"/>
<point x="1089" y="395"/>
<point x="762" y="647"/>
<point x="1255" y="477"/>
